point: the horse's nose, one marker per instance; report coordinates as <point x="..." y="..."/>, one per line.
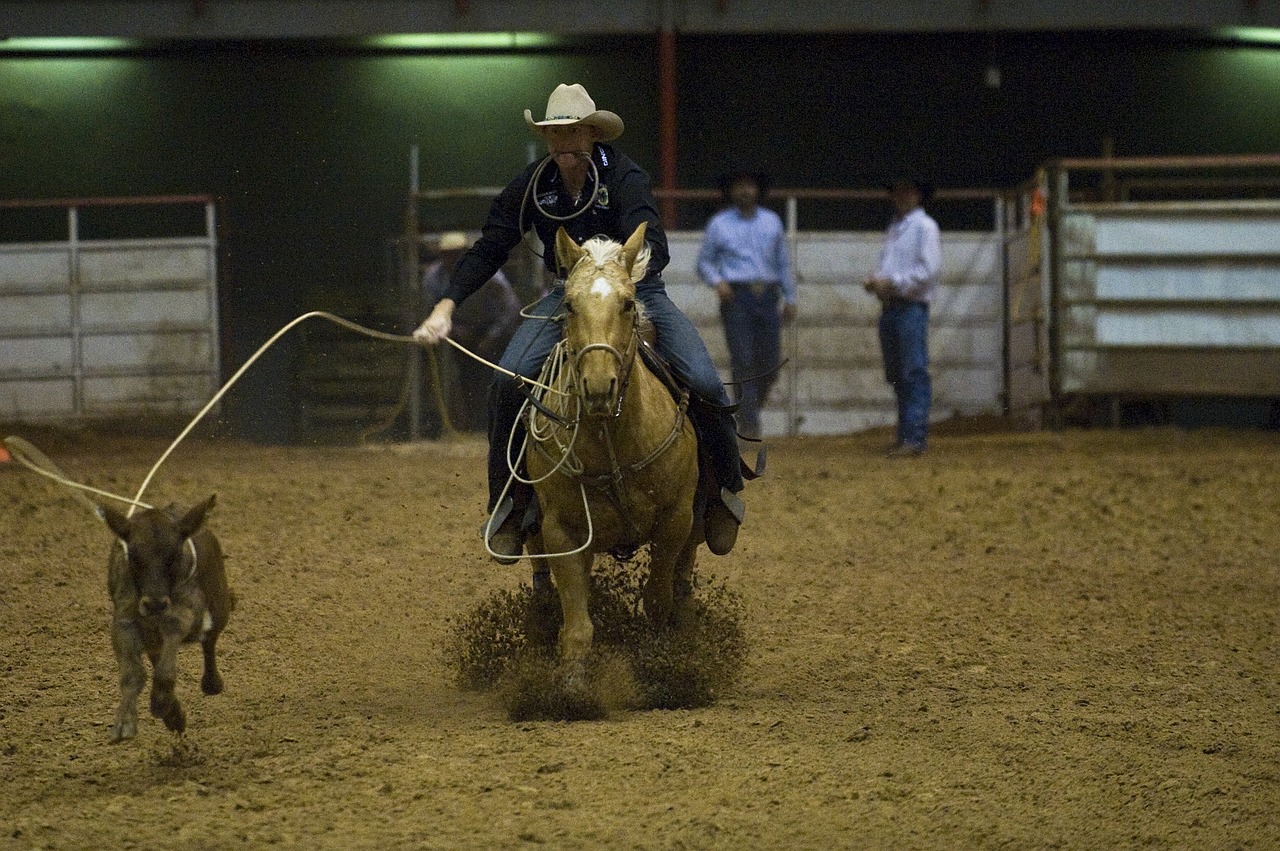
<point x="599" y="393"/>
<point x="153" y="605"/>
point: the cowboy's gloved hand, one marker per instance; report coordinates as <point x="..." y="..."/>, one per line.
<point x="436" y="326"/>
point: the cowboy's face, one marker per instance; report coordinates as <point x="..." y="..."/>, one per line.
<point x="566" y="141"/>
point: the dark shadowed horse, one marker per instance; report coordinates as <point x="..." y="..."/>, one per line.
<point x="613" y="458"/>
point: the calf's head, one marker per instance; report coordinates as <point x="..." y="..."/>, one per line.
<point x="157" y="550"/>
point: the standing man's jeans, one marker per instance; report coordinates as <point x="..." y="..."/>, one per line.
<point x="753" y="332"/>
<point x="904" y="342"/>
<point x="678" y="342"/>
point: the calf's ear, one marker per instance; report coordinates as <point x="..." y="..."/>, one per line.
<point x="116" y="521"/>
<point x="194" y="518"/>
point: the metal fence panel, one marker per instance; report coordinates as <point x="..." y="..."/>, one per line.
<point x="108" y="326"/>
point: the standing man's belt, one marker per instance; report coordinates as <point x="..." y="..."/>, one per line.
<point x="758" y="288"/>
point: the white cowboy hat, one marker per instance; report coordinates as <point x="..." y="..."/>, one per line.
<point x="454" y="240"/>
<point x="570" y="104"/>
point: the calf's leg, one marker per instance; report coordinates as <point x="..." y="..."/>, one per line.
<point x="164" y="703"/>
<point x="128" y="646"/>
<point x="211" y="682"/>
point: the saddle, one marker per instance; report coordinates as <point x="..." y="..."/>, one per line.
<point x="679" y="390"/>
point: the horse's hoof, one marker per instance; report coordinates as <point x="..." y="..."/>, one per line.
<point x="211" y="684"/>
<point x="575" y="676"/>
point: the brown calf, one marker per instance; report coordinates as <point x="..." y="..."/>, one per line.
<point x="168" y="586"/>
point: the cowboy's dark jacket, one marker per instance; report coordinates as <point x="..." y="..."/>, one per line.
<point x="623" y="201"/>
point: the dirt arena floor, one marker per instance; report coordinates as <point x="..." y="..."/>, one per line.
<point x="1048" y="640"/>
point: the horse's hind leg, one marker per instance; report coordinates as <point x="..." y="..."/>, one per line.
<point x="666" y="554"/>
<point x="682" y="585"/>
<point x="659" y="590"/>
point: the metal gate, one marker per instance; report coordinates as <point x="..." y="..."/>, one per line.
<point x="1166" y="277"/>
<point x="988" y="339"/>
<point x="110" y="325"/>
<point x="1026" y="344"/>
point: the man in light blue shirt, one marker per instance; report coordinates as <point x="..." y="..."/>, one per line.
<point x="905" y="280"/>
<point x="744" y="258"/>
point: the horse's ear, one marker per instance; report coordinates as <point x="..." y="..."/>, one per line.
<point x="635" y="254"/>
<point x="568" y="252"/>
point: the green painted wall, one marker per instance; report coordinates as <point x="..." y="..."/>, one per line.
<point x="308" y="145"/>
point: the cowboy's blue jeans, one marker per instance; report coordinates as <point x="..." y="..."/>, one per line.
<point x="753" y="333"/>
<point x="678" y="342"/>
<point x="904" y="343"/>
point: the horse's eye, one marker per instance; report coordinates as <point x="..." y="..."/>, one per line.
<point x="628" y="305"/>
<point x="568" y="308"/>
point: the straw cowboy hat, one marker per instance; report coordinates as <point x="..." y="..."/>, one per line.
<point x="570" y="104"/>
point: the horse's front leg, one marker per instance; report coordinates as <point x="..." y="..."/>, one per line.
<point x="572" y="576"/>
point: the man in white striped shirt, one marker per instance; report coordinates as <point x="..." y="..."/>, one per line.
<point x="905" y="281"/>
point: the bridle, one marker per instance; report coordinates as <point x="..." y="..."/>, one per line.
<point x="626" y="360"/>
<point x="569" y="365"/>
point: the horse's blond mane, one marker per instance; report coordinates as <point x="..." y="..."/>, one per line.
<point x="603" y="250"/>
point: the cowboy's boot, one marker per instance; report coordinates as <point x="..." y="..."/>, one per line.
<point x="721" y="522"/>
<point x="503" y="532"/>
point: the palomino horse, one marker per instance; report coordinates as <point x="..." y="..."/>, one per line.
<point x="615" y="463"/>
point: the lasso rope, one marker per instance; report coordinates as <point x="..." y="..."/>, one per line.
<point x="36" y="461"/>
<point x="27" y="454"/>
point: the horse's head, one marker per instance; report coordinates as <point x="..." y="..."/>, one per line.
<point x="601" y="313"/>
